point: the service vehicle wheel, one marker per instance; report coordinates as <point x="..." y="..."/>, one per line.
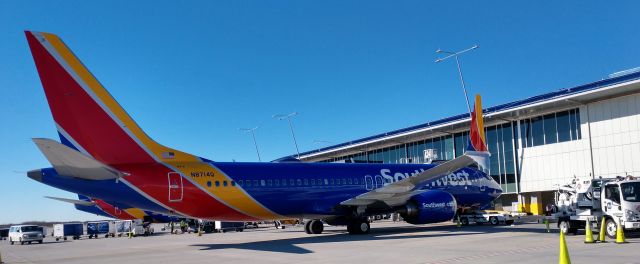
<point x="464" y="221"/>
<point x="29" y="242"/>
<point x="494" y="220"/>
<point x="10" y="241"/>
<point x="39" y="241"/>
<point x="611" y="228"/>
<point x="21" y="242"/>
<point x="563" y="225"/>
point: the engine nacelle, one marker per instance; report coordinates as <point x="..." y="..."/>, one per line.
<point x="430" y="207"/>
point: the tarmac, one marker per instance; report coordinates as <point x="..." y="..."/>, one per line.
<point x="388" y="242"/>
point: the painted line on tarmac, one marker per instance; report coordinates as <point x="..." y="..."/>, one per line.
<point x="493" y="254"/>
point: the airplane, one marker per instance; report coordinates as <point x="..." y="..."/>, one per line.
<point x="120" y="212"/>
<point x="103" y="147"/>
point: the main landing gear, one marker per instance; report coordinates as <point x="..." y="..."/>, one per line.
<point x="359" y="226"/>
<point x="314" y="227"/>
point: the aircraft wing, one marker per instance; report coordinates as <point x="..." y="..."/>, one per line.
<point x="70" y="162"/>
<point x="399" y="192"/>
<point x="73" y="201"/>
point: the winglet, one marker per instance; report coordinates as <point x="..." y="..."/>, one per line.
<point x="73" y="201"/>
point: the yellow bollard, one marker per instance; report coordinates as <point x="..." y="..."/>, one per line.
<point x="588" y="239"/>
<point x="546" y="223"/>
<point x="603" y="228"/>
<point x="620" y="234"/>
<point x="564" y="252"/>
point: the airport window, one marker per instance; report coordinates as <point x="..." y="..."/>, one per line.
<point x="224" y="183"/>
<point x="217" y="184"/>
<point x="564" y="126"/>
<point x="550" y="129"/>
<point x="537" y="131"/>
<point x="208" y="183"/>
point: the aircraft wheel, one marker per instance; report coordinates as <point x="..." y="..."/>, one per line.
<point x="316" y="227"/>
<point x="307" y="227"/>
<point x="359" y="227"/>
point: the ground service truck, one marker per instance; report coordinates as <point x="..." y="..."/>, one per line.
<point x="586" y="199"/>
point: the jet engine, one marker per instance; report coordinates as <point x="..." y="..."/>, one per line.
<point x="429" y="207"/>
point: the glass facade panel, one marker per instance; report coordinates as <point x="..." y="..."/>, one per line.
<point x="537" y="131"/>
<point x="550" y="130"/>
<point x="448" y="148"/>
<point x="563" y="126"/>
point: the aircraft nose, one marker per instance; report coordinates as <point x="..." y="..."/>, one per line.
<point x="35" y="175"/>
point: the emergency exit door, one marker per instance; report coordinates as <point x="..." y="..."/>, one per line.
<point x="175" y="187"/>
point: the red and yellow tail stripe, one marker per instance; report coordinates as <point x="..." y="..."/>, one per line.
<point x="90" y="116"/>
<point x="477" y="140"/>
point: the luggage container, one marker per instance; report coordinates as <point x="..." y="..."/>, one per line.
<point x="73" y="230"/>
<point x="123" y="227"/>
<point x="106" y="228"/>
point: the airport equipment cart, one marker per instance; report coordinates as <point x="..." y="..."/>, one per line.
<point x="4" y="233"/>
<point x="222" y="227"/>
<point x="73" y="230"/>
<point x="106" y="228"/>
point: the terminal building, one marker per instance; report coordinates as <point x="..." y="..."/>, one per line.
<point x="592" y="130"/>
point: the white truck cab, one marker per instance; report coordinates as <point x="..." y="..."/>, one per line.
<point x="25" y="234"/>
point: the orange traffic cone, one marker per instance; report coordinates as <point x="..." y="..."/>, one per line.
<point x="564" y="252"/>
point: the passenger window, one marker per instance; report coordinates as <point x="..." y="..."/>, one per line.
<point x="262" y="183"/>
<point x="313" y="181"/>
<point x="217" y="184"/>
<point x="209" y="184"/>
<point x="233" y="183"/>
<point x="276" y="182"/>
<point x="248" y="183"/>
<point x="332" y="181"/>
<point x="292" y="182"/>
<point x="269" y="183"/>
<point x="241" y="182"/>
<point x="350" y="181"/>
<point x="284" y="182"/>
<point x="319" y="181"/>
<point x="612" y="193"/>
<point x="344" y="181"/>
<point x="306" y="182"/>
<point x="326" y="182"/>
<point x="255" y="183"/>
<point x="299" y="181"/>
<point x="224" y="183"/>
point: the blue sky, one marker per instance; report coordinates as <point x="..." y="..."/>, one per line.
<point x="192" y="73"/>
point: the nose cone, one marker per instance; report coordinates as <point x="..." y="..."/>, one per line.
<point x="35" y="175"/>
<point x="497" y="190"/>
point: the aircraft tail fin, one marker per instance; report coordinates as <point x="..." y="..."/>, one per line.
<point x="477" y="143"/>
<point x="87" y="117"/>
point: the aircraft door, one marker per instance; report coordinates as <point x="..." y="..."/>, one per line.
<point x="379" y="181"/>
<point x="175" y="187"/>
<point x="368" y="182"/>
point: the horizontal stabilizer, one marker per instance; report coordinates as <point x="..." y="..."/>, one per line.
<point x="69" y="162"/>
<point x="73" y="201"/>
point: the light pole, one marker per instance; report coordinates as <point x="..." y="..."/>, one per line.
<point x="288" y="118"/>
<point x="455" y="54"/>
<point x="253" y="135"/>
